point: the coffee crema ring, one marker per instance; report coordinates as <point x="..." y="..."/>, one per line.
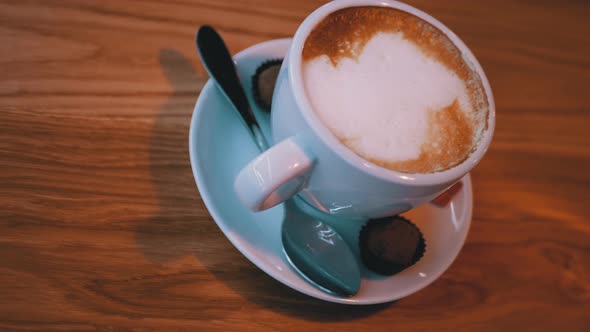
<point x="427" y="74"/>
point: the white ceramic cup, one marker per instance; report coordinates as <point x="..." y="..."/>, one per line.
<point x="307" y="159"/>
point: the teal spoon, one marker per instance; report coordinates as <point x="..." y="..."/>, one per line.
<point x="314" y="248"/>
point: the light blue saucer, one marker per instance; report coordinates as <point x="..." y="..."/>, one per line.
<point x="220" y="147"/>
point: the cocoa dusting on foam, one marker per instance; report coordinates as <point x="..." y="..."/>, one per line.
<point x="344" y="34"/>
<point x="448" y="142"/>
<point x="452" y="132"/>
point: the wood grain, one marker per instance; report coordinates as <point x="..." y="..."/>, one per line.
<point x="102" y="228"/>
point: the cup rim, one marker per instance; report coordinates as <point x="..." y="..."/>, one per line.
<point x="295" y="78"/>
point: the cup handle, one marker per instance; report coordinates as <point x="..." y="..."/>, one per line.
<point x="276" y="175"/>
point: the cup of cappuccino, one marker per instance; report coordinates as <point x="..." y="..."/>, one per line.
<point x="378" y="108"/>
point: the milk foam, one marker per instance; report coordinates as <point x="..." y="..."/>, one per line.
<point x="379" y="103"/>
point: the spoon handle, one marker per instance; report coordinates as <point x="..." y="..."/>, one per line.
<point x="221" y="68"/>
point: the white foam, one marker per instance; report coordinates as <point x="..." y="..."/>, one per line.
<point x="379" y="103"/>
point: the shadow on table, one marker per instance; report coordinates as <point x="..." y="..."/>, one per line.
<point x="183" y="226"/>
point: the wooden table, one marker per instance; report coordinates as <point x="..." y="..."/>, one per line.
<point x="102" y="227"/>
